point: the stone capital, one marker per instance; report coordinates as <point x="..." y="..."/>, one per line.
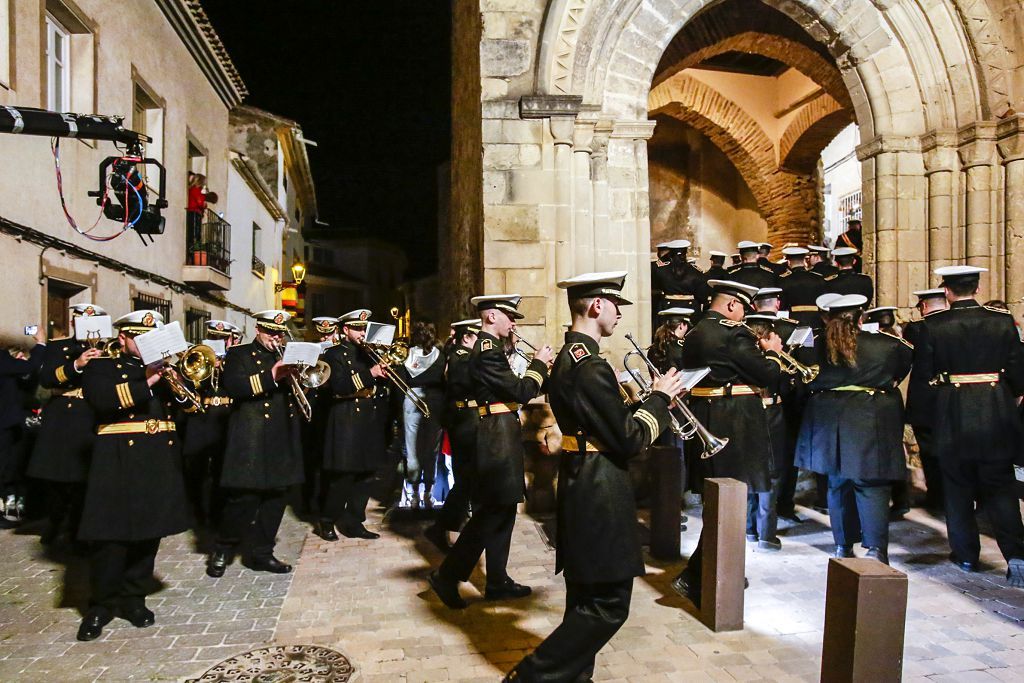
<point x="977" y="144"/>
<point x="1010" y="134"/>
<point x="633" y="130"/>
<point x="887" y="144"/>
<point x="562" y="128"/>
<point x="546" y="106"/>
<point x="583" y="136"/>
<point x="939" y="151"/>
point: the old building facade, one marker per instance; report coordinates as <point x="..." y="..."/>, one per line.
<point x="582" y="128"/>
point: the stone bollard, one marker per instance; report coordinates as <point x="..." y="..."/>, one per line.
<point x="865" y="616"/>
<point x="724" y="554"/>
<point x="666" y="500"/>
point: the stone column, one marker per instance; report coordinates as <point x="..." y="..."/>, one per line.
<point x="561" y="131"/>
<point x="1011" y="149"/>
<point x="977" y="153"/>
<point x="940" y="165"/>
<point x="583" y="197"/>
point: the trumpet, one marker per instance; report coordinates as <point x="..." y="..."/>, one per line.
<point x="196" y="365"/>
<point x="389" y="356"/>
<point x="690" y="426"/>
<point x="794" y="367"/>
<point x="525" y="355"/>
<point x="309" y="377"/>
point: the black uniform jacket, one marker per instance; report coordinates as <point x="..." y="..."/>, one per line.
<point x="207" y="432"/>
<point x="264" y="448"/>
<point x="753" y="274"/>
<point x="135" y="489"/>
<point x="777" y="268"/>
<point x="855" y="433"/>
<point x="499" y="474"/>
<point x="680" y="286"/>
<point x="824" y="268"/>
<point x="354" y="436"/>
<point x="730" y="349"/>
<point x="65" y="438"/>
<point x="716" y="273"/>
<point x="849" y="282"/>
<point x="12" y="370"/>
<point x="920" y="409"/>
<point x="800" y="289"/>
<point x="672" y="359"/>
<point x="973" y="421"/>
<point x="597" y="538"/>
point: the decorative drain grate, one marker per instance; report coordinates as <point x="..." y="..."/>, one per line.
<point x="282" y="664"/>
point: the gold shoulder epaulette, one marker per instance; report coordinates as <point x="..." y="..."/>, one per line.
<point x="733" y="269"/>
<point x="730" y="323"/>
<point x="461" y="352"/>
<point x="766" y="268"/>
<point x="790" y="320"/>
<point x="897" y="338"/>
<point x="996" y="310"/>
<point x="786" y="274"/>
<point x="814" y="272"/>
<point x="831" y="277"/>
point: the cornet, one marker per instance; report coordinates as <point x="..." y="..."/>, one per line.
<point x="690" y="426"/>
<point x="525" y="355"/>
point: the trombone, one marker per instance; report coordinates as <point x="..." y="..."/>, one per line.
<point x="196" y="365"/>
<point x="388" y="356"/>
<point x="690" y="426"/>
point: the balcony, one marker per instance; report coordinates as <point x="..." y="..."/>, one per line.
<point x="259" y="269"/>
<point x="207" y="251"/>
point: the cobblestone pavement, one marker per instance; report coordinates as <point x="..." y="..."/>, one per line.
<point x="369" y="600"/>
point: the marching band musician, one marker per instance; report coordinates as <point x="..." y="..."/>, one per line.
<point x="499" y="479"/>
<point x="135" y="492"/>
<point x="667" y="348"/>
<point x="598" y="548"/>
<point x="716" y="271"/>
<point x="852" y="429"/>
<point x="62" y="449"/>
<point x="764" y="250"/>
<point x="353" y="439"/>
<point x="263" y="456"/>
<point x="206" y="433"/>
<point x="976" y="363"/>
<point x="819" y="261"/>
<point x="459" y="419"/>
<point x="326" y="329"/>
<point x="801" y="288"/>
<point x="848" y="280"/>
<point x="680" y="283"/>
<point x="729" y="399"/>
<point x="751" y="271"/>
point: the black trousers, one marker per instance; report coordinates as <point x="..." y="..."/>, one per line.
<point x="64" y="505"/>
<point x="488" y="530"/>
<point x="251" y="519"/>
<point x="930" y="467"/>
<point x="992" y="485"/>
<point x="594" y="612"/>
<point x="784" y="504"/>
<point x="859" y="509"/>
<point x="456" y="506"/>
<point x="120" y="573"/>
<point x="762" y="516"/>
<point x="202" y="472"/>
<point x="343" y="497"/>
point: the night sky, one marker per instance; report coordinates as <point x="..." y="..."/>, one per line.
<point x="370" y="83"/>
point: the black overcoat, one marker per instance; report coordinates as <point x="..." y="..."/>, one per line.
<point x="65" y="439"/>
<point x="499" y="470"/>
<point x="853" y="433"/>
<point x="354" y="435"/>
<point x="207" y="432"/>
<point x="800" y="289"/>
<point x="850" y="282"/>
<point x="754" y="275"/>
<point x="598" y="539"/>
<point x="135" y="488"/>
<point x="264" y="446"/>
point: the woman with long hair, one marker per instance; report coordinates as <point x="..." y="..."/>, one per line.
<point x="667" y="348"/>
<point x="852" y="429"/>
<point x="424" y="371"/>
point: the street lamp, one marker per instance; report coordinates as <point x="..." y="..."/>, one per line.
<point x="298" y="275"/>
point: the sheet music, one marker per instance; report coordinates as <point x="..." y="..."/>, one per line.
<point x="693" y="377"/>
<point x="93" y="326"/>
<point x="324" y="345"/>
<point x="379" y="333"/>
<point x="870" y="327"/>
<point x="783" y="314"/>
<point x="802" y="336"/>
<point x="217" y="345"/>
<point x="301" y="353"/>
<point x="160" y="343"/>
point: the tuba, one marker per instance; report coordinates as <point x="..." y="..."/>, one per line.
<point x="686" y="428"/>
<point x="309" y="377"/>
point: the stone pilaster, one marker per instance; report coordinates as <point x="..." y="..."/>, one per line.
<point x="1011" y="148"/>
<point x="977" y="150"/>
<point x="941" y="169"/>
<point x="583" y="195"/>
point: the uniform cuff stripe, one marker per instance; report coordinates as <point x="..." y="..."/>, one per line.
<point x="61" y="375"/>
<point x="649" y="421"/>
<point x="534" y="375"/>
<point x="357" y="381"/>
<point x="124" y="395"/>
<point x="257" y="384"/>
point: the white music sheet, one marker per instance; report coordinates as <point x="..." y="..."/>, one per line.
<point x="301" y="353"/>
<point x="93" y="326"/>
<point x="163" y="342"/>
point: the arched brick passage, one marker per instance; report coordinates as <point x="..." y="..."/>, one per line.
<point x="809" y="133"/>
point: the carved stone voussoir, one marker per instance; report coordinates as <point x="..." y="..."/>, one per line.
<point x="546" y="106"/>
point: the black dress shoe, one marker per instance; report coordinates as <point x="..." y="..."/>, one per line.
<point x="447" y="590"/>
<point x="1015" y="572"/>
<point x="438" y="536"/>
<point x="509" y="590"/>
<point x="139" y="617"/>
<point x="92" y="626"/>
<point x="969" y="566"/>
<point x="325" y="530"/>
<point x="218" y="562"/>
<point x="269" y="564"/>
<point x="842" y="551"/>
<point x="688" y="588"/>
<point x="876" y="553"/>
<point x="358" y="532"/>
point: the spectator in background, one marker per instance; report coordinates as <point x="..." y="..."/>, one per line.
<point x="195" y="210"/>
<point x="18" y="372"/>
<point x="424" y="371"/>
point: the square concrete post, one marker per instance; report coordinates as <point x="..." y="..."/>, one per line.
<point x="724" y="554"/>
<point x="665" y="464"/>
<point x="865" y="616"/>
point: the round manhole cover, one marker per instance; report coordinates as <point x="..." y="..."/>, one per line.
<point x="282" y="664"/>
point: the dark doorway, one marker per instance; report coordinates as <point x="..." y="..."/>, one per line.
<point x="58" y="302"/>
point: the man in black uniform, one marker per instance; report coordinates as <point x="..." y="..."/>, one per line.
<point x="820" y="261"/>
<point x="680" y="283"/>
<point x="326" y="330"/>
<point x="61" y="453"/>
<point x="800" y="288"/>
<point x="263" y="458"/>
<point x="353" y="440"/>
<point x="135" y="494"/>
<point x="976" y="363"/>
<point x="459" y="419"/>
<point x="853" y="238"/>
<point x="729" y="400"/>
<point x="750" y="272"/>
<point x="206" y="433"/>
<point x="764" y="251"/>
<point x="847" y="280"/>
<point x="598" y="547"/>
<point x="499" y="471"/>
<point x="716" y="271"/>
<point x="920" y="413"/>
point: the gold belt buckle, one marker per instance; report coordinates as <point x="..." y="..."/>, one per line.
<point x="215" y="401"/>
<point x="152" y="426"/>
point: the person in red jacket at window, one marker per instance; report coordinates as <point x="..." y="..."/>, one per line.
<point x="196" y="208"/>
